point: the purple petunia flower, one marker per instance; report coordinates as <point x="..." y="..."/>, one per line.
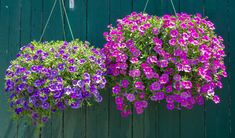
<point x="119" y="100"/>
<point x="174" y="33"/>
<point x="116" y="89"/>
<point x="155" y="86"/>
<point x="177" y="77"/>
<point x="71" y="61"/>
<point x="130" y="97"/>
<point x="92" y="58"/>
<point x="216" y="99"/>
<point x="86" y="75"/>
<point x="164" y="78"/>
<point x="61" y="67"/>
<point x="125" y="83"/>
<point x="45" y="105"/>
<point x="99" y="98"/>
<point x="159" y="95"/>
<point x="168" y="88"/>
<point x="139" y="85"/>
<point x="44" y="119"/>
<point x="172" y="41"/>
<point x="75" y="105"/>
<point x="186" y="84"/>
<point x="82" y="61"/>
<point x="34" y="68"/>
<point x="38" y="83"/>
<point x="72" y="69"/>
<point x="170" y="106"/>
<point x="155" y="31"/>
<point x="54" y="73"/>
<point x="170" y="99"/>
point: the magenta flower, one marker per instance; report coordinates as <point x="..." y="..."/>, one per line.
<point x="157" y="41"/>
<point x="155" y="86"/>
<point x="170" y="106"/>
<point x="139" y="85"/>
<point x="125" y="83"/>
<point x="159" y="95"/>
<point x="186" y="84"/>
<point x="172" y="41"/>
<point x="216" y="99"/>
<point x="155" y="31"/>
<point x="164" y="78"/>
<point x="177" y="77"/>
<point x="130" y="97"/>
<point x="134" y="73"/>
<point x="116" y="89"/>
<point x="180" y="58"/>
<point x="173" y="33"/>
<point x="168" y="88"/>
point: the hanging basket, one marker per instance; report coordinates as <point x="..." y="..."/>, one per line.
<point x="176" y="59"/>
<point x="50" y="76"/>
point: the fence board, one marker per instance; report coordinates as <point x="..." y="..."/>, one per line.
<point x="75" y="121"/>
<point x="97" y="20"/>
<point x="54" y="31"/>
<point x="118" y="126"/>
<point x="9" y="36"/>
<point x="22" y="21"/>
<point x="188" y="116"/>
<point x="217" y="116"/>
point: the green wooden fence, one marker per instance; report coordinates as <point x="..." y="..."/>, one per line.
<point x="22" y="21"/>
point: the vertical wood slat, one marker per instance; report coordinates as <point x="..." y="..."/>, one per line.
<point x="231" y="65"/>
<point x="146" y="125"/>
<point x="9" y="37"/>
<point x="118" y="126"/>
<point x="74" y="120"/>
<point x="97" y="115"/>
<point x="54" y="31"/>
<point x="8" y="126"/>
<point x="24" y="127"/>
<point x="217" y="116"/>
<point x="168" y="119"/>
<point x="192" y="121"/>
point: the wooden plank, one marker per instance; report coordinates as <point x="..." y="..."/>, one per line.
<point x="54" y="128"/>
<point x="9" y="39"/>
<point x="194" y="118"/>
<point x="146" y="125"/>
<point x="169" y="121"/>
<point x="36" y="19"/>
<point x="231" y="66"/>
<point x="97" y="20"/>
<point x="118" y="10"/>
<point x="25" y="129"/>
<point x="75" y="125"/>
<point x="218" y="115"/>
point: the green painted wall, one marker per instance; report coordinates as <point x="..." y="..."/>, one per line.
<point x="22" y="21"/>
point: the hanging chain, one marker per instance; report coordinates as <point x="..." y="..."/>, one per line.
<point x="62" y="8"/>
<point x="66" y="15"/>
<point x="48" y="19"/>
<point x="146" y="4"/>
<point x="62" y="20"/>
<point x="173" y="6"/>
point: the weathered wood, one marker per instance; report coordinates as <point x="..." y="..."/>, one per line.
<point x="75" y="120"/>
<point x="217" y="116"/>
<point x="9" y="39"/>
<point x="97" y="20"/>
<point x="191" y="119"/>
<point x="118" y="126"/>
<point x="22" y="21"/>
